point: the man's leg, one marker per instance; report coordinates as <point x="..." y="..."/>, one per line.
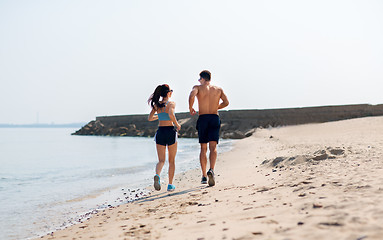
<point x="212" y="159"/>
<point x="203" y="158"/>
<point x="213" y="153"/>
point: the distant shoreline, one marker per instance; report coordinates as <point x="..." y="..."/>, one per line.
<point x="43" y="125"/>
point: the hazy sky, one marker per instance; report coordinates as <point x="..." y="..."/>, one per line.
<point x="70" y="61"/>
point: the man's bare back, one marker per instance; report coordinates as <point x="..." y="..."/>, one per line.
<point x="208" y="98"/>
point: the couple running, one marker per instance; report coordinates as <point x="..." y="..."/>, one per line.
<point x="208" y="126"/>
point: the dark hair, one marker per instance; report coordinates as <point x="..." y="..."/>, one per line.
<point x="205" y="74"/>
<point x="161" y="91"/>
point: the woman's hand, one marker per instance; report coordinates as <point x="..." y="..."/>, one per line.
<point x="178" y="126"/>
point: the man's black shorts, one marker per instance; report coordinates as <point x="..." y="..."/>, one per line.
<point x="208" y="126"/>
<point x="166" y="135"/>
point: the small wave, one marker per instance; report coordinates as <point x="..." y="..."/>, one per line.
<point x="92" y="195"/>
<point x="19" y="180"/>
<point x="111" y="172"/>
<point x="7" y="178"/>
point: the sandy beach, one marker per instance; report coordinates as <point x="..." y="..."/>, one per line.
<point x="313" y="181"/>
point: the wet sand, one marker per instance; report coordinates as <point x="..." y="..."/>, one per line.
<point x="314" y="181"/>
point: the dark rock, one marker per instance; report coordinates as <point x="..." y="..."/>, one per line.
<point x="234" y="135"/>
<point x="249" y="133"/>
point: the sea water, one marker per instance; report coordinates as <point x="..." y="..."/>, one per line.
<point x="48" y="177"/>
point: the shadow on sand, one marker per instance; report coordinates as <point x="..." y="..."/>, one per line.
<point x="169" y="194"/>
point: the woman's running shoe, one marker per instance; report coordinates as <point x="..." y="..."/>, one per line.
<point x="171" y="187"/>
<point x="157" y="184"/>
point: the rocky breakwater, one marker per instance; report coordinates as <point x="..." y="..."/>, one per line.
<point x="236" y="124"/>
<point x="135" y="125"/>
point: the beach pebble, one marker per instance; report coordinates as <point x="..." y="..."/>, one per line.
<point x="315" y="205"/>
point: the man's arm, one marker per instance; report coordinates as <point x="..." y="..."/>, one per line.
<point x="225" y="101"/>
<point x="192" y="96"/>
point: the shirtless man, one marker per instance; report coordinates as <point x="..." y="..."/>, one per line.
<point x="208" y="123"/>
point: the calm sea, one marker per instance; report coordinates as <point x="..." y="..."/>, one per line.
<point x="49" y="178"/>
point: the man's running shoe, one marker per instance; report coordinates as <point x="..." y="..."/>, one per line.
<point x="203" y="180"/>
<point x="210" y="175"/>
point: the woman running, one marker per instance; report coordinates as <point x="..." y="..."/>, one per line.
<point x="166" y="134"/>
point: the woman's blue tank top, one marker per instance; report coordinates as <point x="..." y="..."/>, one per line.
<point x="164" y="116"/>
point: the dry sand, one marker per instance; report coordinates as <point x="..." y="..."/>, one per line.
<point x="315" y="181"/>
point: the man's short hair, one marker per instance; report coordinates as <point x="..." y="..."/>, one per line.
<point x="205" y="74"/>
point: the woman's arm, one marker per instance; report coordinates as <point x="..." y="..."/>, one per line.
<point x="152" y="117"/>
<point x="173" y="116"/>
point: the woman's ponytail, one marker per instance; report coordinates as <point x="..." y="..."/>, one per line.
<point x="160" y="91"/>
